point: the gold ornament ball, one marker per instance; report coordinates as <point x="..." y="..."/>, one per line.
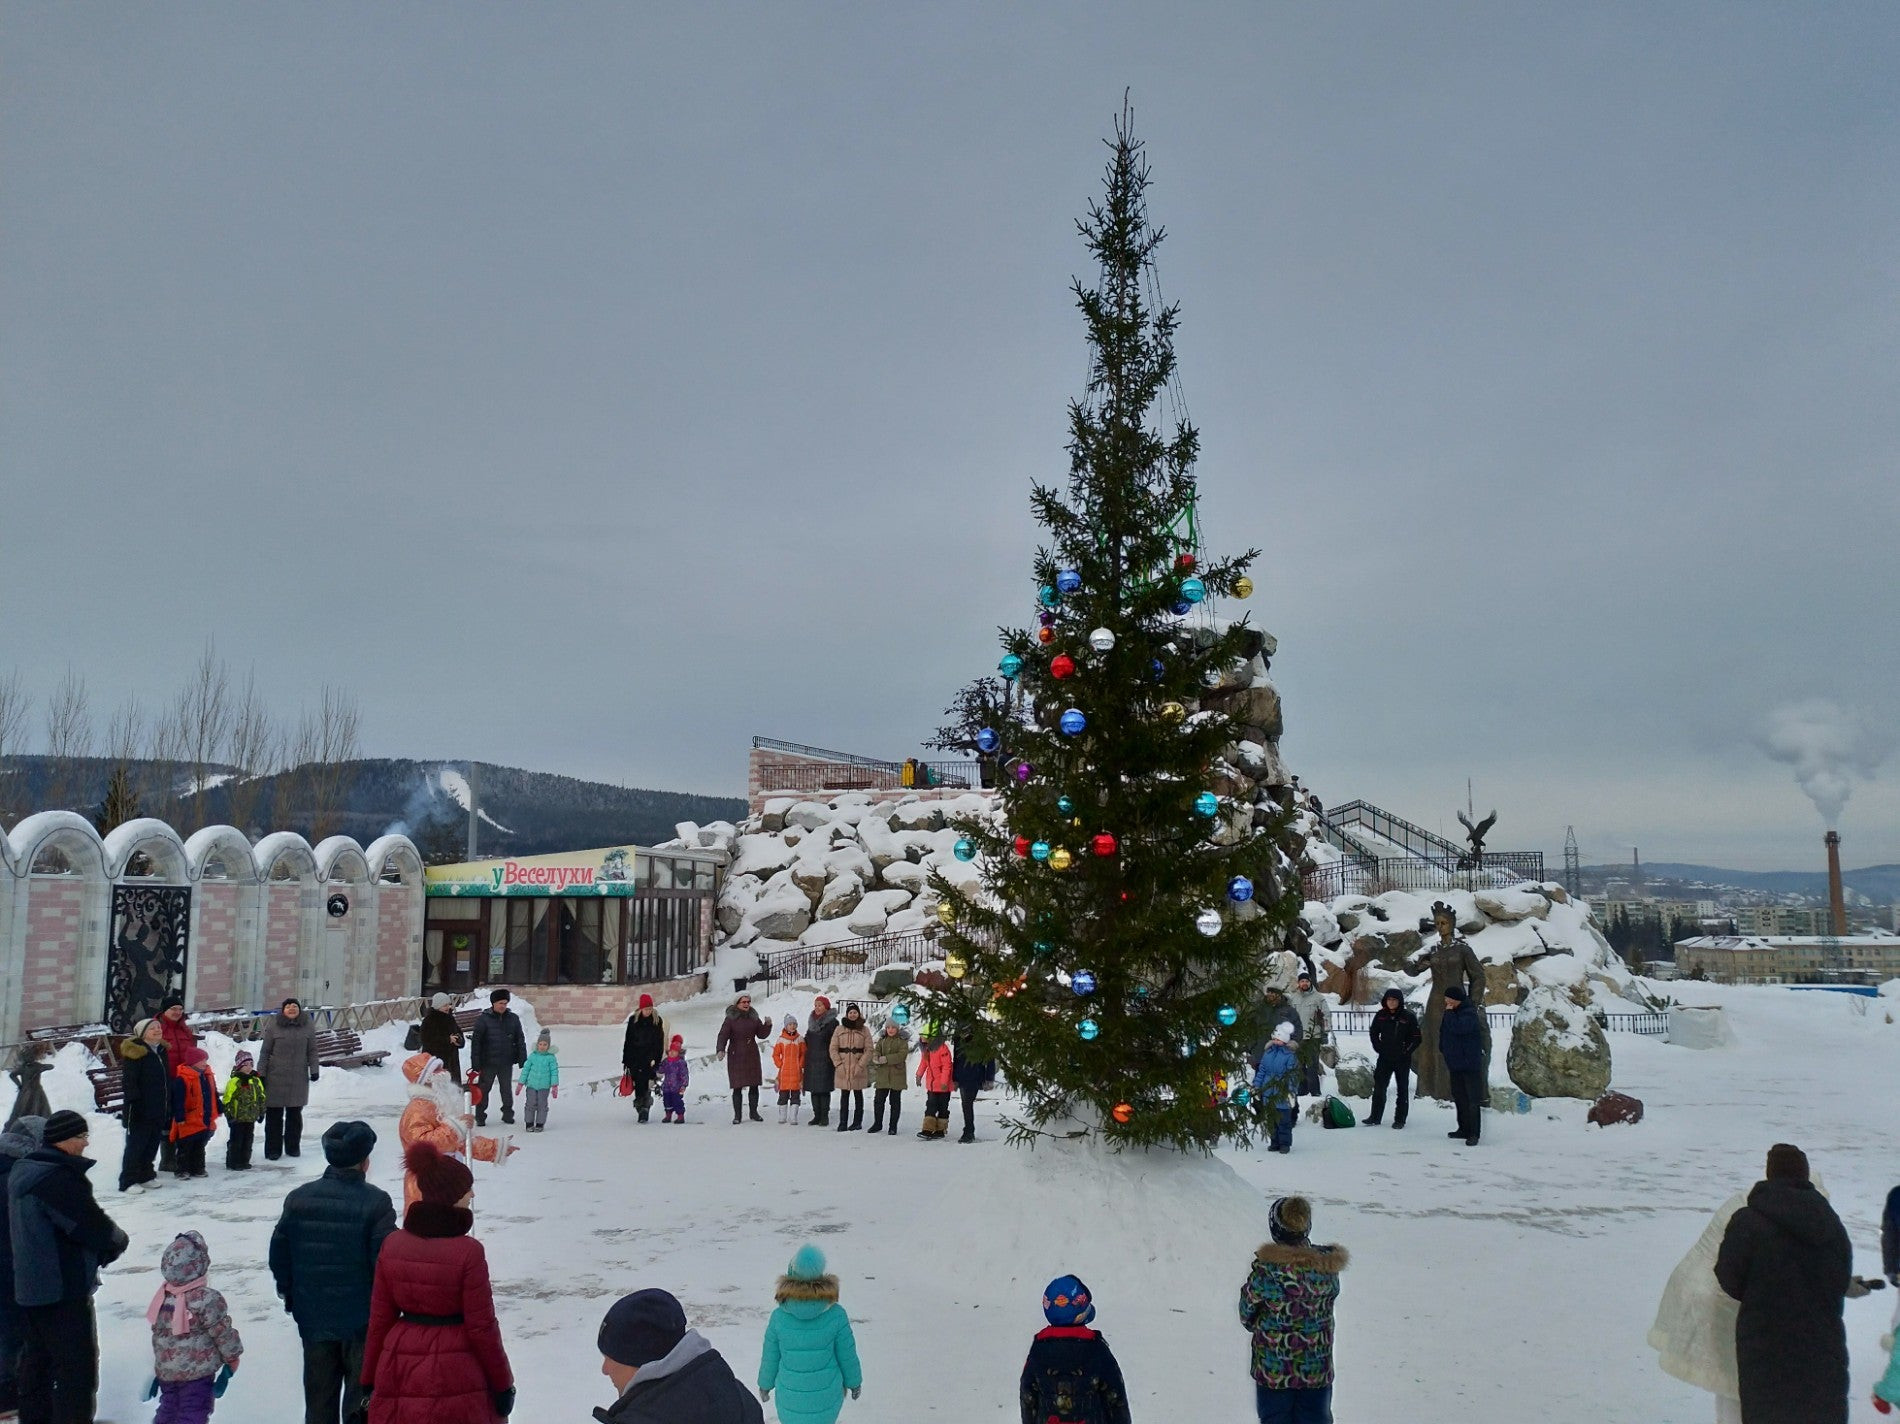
<point x="1172" y="712"/>
<point x="1243" y="587"/>
<point x="946" y="912"/>
<point x="1060" y="859"/>
<point x="955" y="966"/>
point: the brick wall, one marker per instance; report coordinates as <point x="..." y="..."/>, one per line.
<point x="771" y="774"/>
<point x="283" y="939"/>
<point x="55" y="923"/>
<point x="599" y="1003"/>
<point x="398" y="922"/>
<point x="213" y="950"/>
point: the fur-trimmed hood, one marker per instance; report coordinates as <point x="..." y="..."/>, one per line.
<point x="1329" y="1259"/>
<point x="823" y="1290"/>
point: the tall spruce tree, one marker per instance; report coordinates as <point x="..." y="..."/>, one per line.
<point x="1112" y="944"/>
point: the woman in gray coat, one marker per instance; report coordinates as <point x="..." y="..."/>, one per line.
<point x="288" y="1065"/>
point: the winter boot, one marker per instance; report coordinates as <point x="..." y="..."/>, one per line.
<point x="877" y="1117"/>
<point x="738" y="1110"/>
<point x="893" y="1127"/>
<point x="969" y="1135"/>
<point x="795" y="1110"/>
<point x="781" y="1114"/>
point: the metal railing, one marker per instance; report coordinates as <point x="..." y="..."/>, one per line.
<point x="849" y="771"/>
<point x="243" y="1025"/>
<point x="863" y="955"/>
<point x="1396" y="829"/>
<point x="1651" y="1025"/>
<point x="1374" y="877"/>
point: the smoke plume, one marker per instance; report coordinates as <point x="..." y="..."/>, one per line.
<point x="1829" y="746"/>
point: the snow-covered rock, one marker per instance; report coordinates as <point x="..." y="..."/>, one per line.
<point x="759" y="855"/>
<point x="781" y="912"/>
<point x="1510" y="906"/>
<point x="1557" y="1048"/>
<point x="841" y="897"/>
<point x="905" y="875"/>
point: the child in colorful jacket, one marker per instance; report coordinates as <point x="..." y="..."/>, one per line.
<point x="810" y="1356"/>
<point x="1288" y="1304"/>
<point x="540" y="1078"/>
<point x="788" y="1057"/>
<point x="193" y="1339"/>
<point x="936" y="1075"/>
<point x="194" y="1112"/>
<point x="1071" y="1375"/>
<point x="243" y="1110"/>
<point x="674" y="1077"/>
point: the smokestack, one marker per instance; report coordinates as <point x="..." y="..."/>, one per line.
<point x="1836" y="897"/>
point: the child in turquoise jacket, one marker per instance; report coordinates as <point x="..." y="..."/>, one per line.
<point x="541" y="1076"/>
<point x="811" y="1357"/>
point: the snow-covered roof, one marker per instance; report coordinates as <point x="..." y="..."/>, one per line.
<point x="1745" y="942"/>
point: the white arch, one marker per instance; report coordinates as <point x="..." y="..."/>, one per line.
<point x="66" y="830"/>
<point x="225" y="843"/>
<point x="279" y="845"/>
<point x="157" y="840"/>
<point x="399" y="849"/>
<point x="341" y="858"/>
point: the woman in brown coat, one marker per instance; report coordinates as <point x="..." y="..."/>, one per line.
<point x="738" y="1043"/>
<point x="851" y="1060"/>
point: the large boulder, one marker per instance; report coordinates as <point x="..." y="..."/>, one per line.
<point x="1354" y="1076"/>
<point x="918" y="816"/>
<point x="783" y="912"/>
<point x="1557" y="1048"/>
<point x="841" y="897"/>
<point x="888" y="980"/>
<point x="1389" y="951"/>
<point x="760" y="856"/>
<point x="1500" y="984"/>
<point x="905" y="875"/>
<point x="1509" y="906"/>
<point x="810" y="876"/>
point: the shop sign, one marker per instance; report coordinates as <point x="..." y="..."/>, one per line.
<point x="609" y="871"/>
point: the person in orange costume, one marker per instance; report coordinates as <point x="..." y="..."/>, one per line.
<point x="788" y="1056"/>
<point x="439" y="1115"/>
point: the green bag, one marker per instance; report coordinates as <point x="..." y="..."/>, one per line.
<point x="1337" y="1114"/>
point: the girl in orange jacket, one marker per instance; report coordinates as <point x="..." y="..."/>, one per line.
<point x="194" y="1112"/>
<point x="936" y="1076"/>
<point x="788" y="1056"/>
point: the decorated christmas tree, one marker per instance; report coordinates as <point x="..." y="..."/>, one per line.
<point x="1110" y="946"/>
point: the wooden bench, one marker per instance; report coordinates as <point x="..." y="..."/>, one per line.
<point x="343" y="1048"/>
<point x="465" y="1018"/>
<point x="108" y="1088"/>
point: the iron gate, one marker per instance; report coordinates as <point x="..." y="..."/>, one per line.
<point x="151" y="930"/>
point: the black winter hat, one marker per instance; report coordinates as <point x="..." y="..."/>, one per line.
<point x="63" y="1126"/>
<point x="641" y="1328"/>
<point x="172" y="1001"/>
<point x="499" y="996"/>
<point x="1457" y="991"/>
<point x="348" y="1144"/>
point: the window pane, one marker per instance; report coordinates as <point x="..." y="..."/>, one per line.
<point x="581" y="957"/>
<point x="660" y="873"/>
<point x="539" y="970"/>
<point x="610" y="940"/>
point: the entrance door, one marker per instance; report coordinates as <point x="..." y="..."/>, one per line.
<point x="151" y="931"/>
<point x="452" y="955"/>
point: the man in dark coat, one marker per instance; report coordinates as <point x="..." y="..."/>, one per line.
<point x="819" y="1074"/>
<point x="1890" y="1238"/>
<point x="21" y="1137"/>
<point x="1787" y="1259"/>
<point x="665" y="1373"/>
<point x="972" y="1076"/>
<point x="738" y="1044"/>
<point x="60" y="1239"/>
<point x="1273" y="1010"/>
<point x="1395" y="1038"/>
<point x="640" y="1054"/>
<point x="1461" y="1045"/>
<point x="439" y="1036"/>
<point x="496" y="1048"/>
<point x="323" y="1259"/>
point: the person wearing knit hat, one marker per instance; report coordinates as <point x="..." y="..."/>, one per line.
<point x="1071" y="1373"/>
<point x="194" y="1112"/>
<point x="434" y="1350"/>
<point x="810" y="1355"/>
<point x="22" y="1136"/>
<point x="243" y="1110"/>
<point x="663" y="1372"/>
<point x="193" y="1339"/>
<point x="1461" y="1054"/>
<point x="674" y="1076"/>
<point x="1786" y="1257"/>
<point x="440" y="1036"/>
<point x="290" y="1064"/>
<point x="438" y="1114"/>
<point x="539" y="1080"/>
<point x="1287" y="1303"/>
<point x="145" y="1078"/>
<point x="788" y="1058"/>
<point x="641" y="1052"/>
<point x="820" y="1076"/>
<point x="1276" y="1079"/>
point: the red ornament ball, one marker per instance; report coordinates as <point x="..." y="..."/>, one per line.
<point x="1104" y="844"/>
<point x="1185" y="563"/>
<point x="1062" y="665"/>
<point x="1124" y="1112"/>
<point x="1045" y="635"/>
<point x="1022" y="846"/>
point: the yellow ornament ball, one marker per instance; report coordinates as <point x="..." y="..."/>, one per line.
<point x="946" y="912"/>
<point x="1060" y="859"/>
<point x="1243" y="587"/>
<point x="955" y="966"/>
<point x="1124" y="1112"/>
<point x="1172" y="712"/>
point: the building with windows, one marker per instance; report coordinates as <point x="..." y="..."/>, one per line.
<point x="580" y="934"/>
<point x="1782" y="920"/>
<point x="1789" y="959"/>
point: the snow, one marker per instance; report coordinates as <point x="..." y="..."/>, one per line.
<point x="1548" y="1246"/>
<point x="455" y="786"/>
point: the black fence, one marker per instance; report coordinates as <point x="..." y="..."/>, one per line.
<point x="1651" y="1025"/>
<point x="857" y="955"/>
<point x="1366" y="876"/>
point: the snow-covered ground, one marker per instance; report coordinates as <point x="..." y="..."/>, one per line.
<point x="1515" y="1281"/>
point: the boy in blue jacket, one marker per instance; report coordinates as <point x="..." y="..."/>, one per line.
<point x="1071" y="1375"/>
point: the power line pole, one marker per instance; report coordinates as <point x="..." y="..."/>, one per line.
<point x="1573" y="862"/>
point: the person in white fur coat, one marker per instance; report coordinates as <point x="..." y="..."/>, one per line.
<point x="438" y="1113"/>
<point x="1694" y="1333"/>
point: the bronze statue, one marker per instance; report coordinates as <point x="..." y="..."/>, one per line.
<point x="1473" y="858"/>
<point x="1451" y="960"/>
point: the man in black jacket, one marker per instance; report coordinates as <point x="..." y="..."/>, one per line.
<point x="1395" y="1038"/>
<point x="1787" y="1259"/>
<point x="667" y="1374"/>
<point x="640" y="1054"/>
<point x="972" y="1076"/>
<point x="1461" y="1044"/>
<point x="61" y="1238"/>
<point x="323" y="1258"/>
<point x="496" y="1047"/>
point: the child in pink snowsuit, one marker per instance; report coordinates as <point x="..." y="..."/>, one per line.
<point x="673" y="1076"/>
<point x="193" y="1338"/>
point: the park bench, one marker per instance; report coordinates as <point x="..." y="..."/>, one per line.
<point x="108" y="1088"/>
<point x="343" y="1048"/>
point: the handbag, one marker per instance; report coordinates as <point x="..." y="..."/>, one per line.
<point x="412" y="1040"/>
<point x="625" y="1087"/>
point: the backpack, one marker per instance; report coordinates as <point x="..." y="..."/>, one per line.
<point x="412" y="1040"/>
<point x="1336" y="1114"/>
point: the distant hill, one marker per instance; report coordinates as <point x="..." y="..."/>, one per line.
<point x="1879" y="883"/>
<point x="522" y="812"/>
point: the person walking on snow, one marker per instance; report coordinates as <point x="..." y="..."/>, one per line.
<point x="641" y="1053"/>
<point x="540" y="1079"/>
<point x="1461" y="1051"/>
<point x="788" y="1058"/>
<point x="674" y="1076"/>
<point x="496" y="1048"/>
<point x="889" y="1055"/>
<point x="437" y="1114"/>
<point x="851" y="1068"/>
<point x="193" y="1339"/>
<point x="810" y="1355"/>
<point x="818" y="1071"/>
<point x="1395" y="1038"/>
<point x="1287" y="1303"/>
<point x="972" y="1076"/>
<point x="1071" y="1375"/>
<point x="288" y="1062"/>
<point x="738" y="1046"/>
<point x="664" y="1373"/>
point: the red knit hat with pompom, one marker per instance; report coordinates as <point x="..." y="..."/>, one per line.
<point x="440" y="1178"/>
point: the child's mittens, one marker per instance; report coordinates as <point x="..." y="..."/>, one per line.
<point x="857" y="1390"/>
<point x="765" y="1395"/>
<point x="555" y="1091"/>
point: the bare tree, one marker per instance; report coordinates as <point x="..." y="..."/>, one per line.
<point x="162" y="752"/>
<point x="125" y="739"/>
<point x="15" y="703"/>
<point x="325" y="742"/>
<point x="251" y="747"/>
<point x="204" y="721"/>
<point x="68" y="741"/>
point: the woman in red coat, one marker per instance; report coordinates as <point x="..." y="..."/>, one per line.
<point x="434" y="1353"/>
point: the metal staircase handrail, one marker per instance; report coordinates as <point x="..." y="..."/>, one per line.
<point x="1413" y="838"/>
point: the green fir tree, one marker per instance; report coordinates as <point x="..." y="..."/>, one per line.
<point x="1111" y="948"/>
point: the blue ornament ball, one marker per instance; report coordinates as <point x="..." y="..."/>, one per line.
<point x="1082" y="982"/>
<point x="1068" y="580"/>
<point x="1039" y="850"/>
<point x="987" y="740"/>
<point x="1010" y="665"/>
<point x="1159" y="671"/>
<point x="1240" y="889"/>
<point x="1047" y="596"/>
<point x="1065" y="805"/>
<point x="1193" y="590"/>
<point x="1073" y="722"/>
<point x="900" y="1015"/>
<point x="1042" y="947"/>
<point x="1243" y="1096"/>
<point x="965" y="848"/>
<point x="1183" y="608"/>
<point x="1207" y="804"/>
<point x="1089" y="1029"/>
<point x="1228" y="1015"/>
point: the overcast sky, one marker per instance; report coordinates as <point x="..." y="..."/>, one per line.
<point x="590" y="387"/>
